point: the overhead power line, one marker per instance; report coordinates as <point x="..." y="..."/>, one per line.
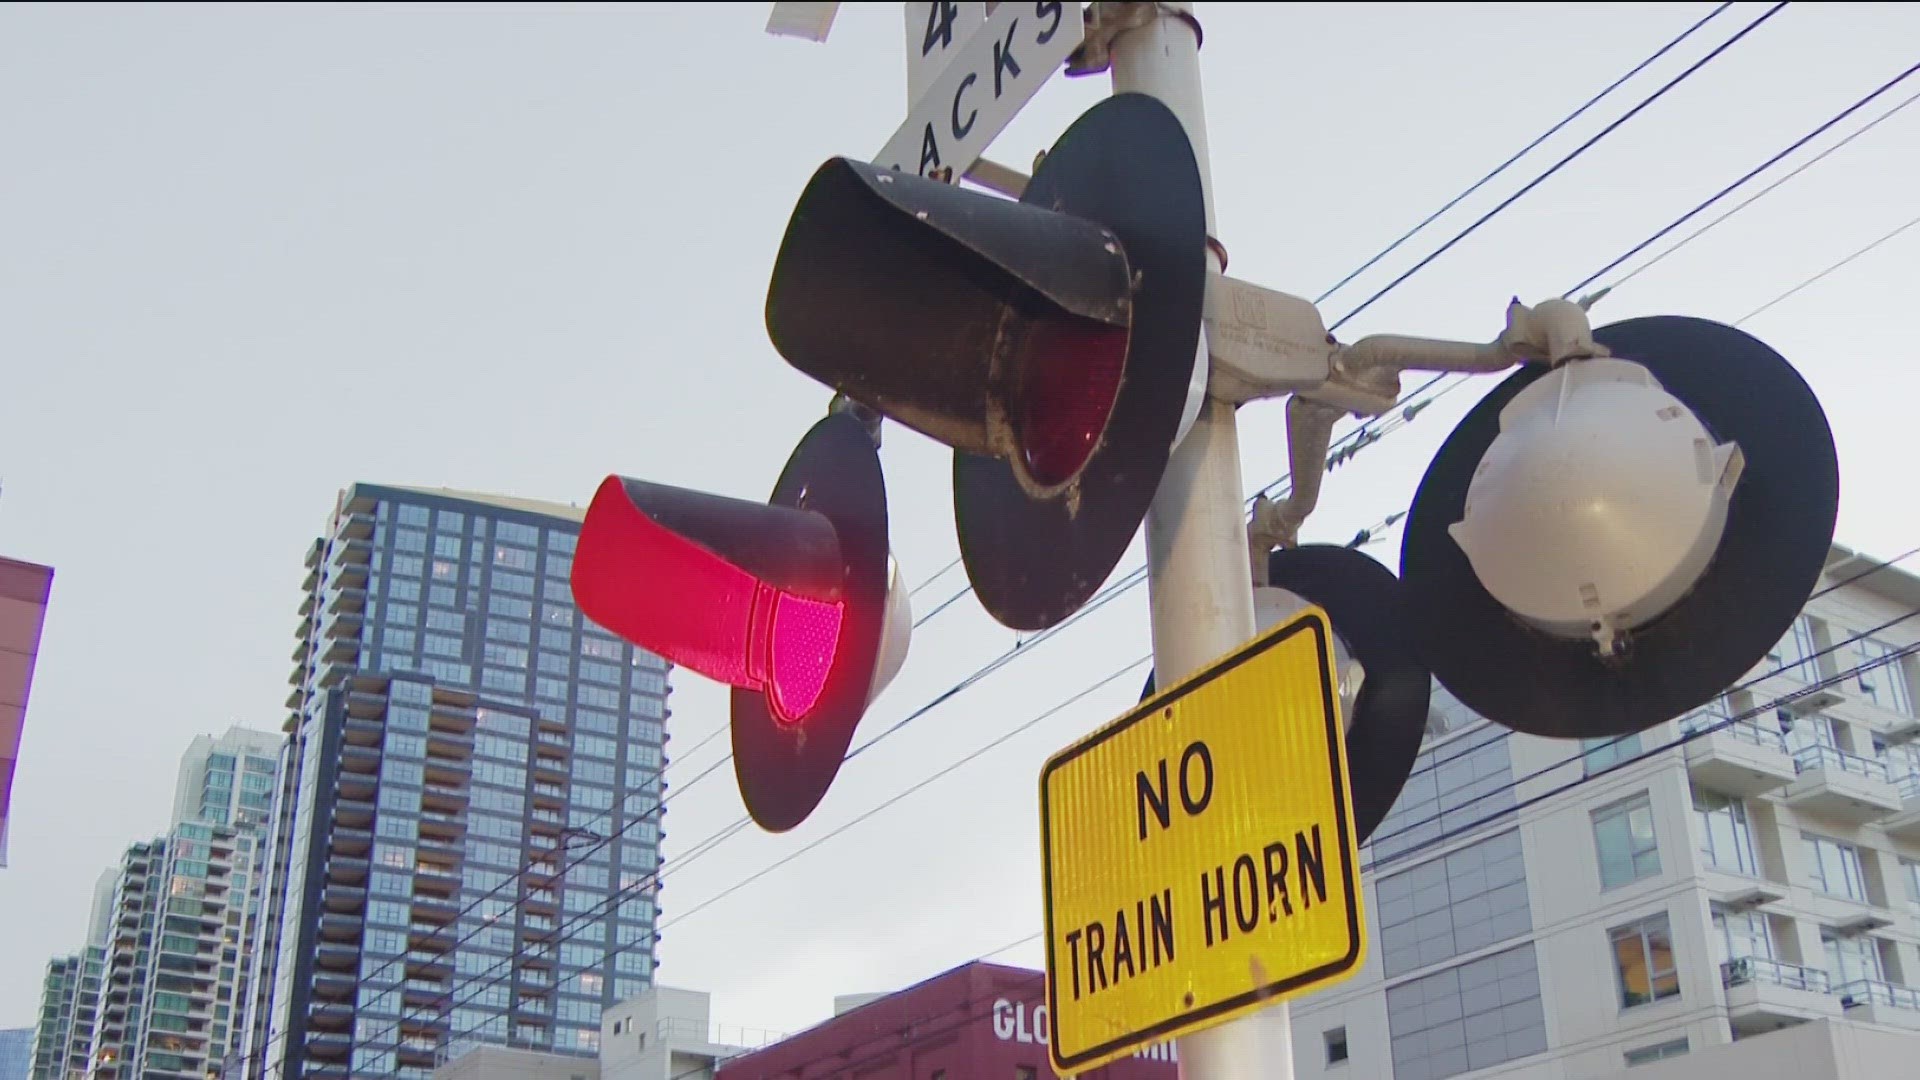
<point x="1558" y="165"/>
<point x="1522" y="152"/>
<point x="1817" y="278"/>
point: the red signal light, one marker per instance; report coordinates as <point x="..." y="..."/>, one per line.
<point x="786" y="601"/>
<point x="1069" y="379"/>
<point x="697" y="609"/>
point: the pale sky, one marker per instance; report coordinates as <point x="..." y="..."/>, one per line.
<point x="251" y="255"/>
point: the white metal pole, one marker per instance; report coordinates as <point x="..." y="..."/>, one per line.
<point x="1197" y="577"/>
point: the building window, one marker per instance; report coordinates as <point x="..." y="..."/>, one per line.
<point x="1726" y="842"/>
<point x="1453" y="788"/>
<point x="1659" y="1052"/>
<point x="1886" y="684"/>
<point x="1850" y="958"/>
<point x="1623" y="834"/>
<point x="1603" y="754"/>
<point x="1470" y="899"/>
<point x="1336" y="1042"/>
<point x="1741" y="934"/>
<point x="1792" y="657"/>
<point x="1643" y="960"/>
<point x="1834" y="867"/>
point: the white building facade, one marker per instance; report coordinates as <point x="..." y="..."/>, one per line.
<point x="1540" y="908"/>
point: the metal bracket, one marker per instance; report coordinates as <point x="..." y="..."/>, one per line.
<point x="1106" y="20"/>
<point x="1364" y="379"/>
<point x="869" y="418"/>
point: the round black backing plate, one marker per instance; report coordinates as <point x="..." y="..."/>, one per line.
<point x="1127" y="164"/>
<point x="1778" y="532"/>
<point x="1364" y="602"/>
<point x="785" y="769"/>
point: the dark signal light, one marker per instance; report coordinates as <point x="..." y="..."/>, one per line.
<point x="1049" y="341"/>
<point x="794" y="603"/>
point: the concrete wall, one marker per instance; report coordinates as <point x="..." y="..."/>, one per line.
<point x="1821" y="1050"/>
<point x="501" y="1063"/>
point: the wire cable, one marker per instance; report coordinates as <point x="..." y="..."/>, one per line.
<point x="1884" y="564"/>
<point x="1698" y="733"/>
<point x="1761" y="194"/>
<point x="1558" y="165"/>
<point x="1817" y="278"/>
<point x="1746" y="177"/>
<point x="1584" y="751"/>
<point x="1522" y="152"/>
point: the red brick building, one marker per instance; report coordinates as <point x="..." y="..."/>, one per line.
<point x="23" y="608"/>
<point x="976" y="1022"/>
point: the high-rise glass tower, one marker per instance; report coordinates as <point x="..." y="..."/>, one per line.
<point x="466" y="841"/>
<point x="64" y="1032"/>
<point x="161" y="985"/>
<point x="228" y="779"/>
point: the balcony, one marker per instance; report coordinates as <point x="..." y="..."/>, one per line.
<point x="357" y="787"/>
<point x="336" y="927"/>
<point x="442" y="825"/>
<point x="352" y="555"/>
<point x="424" y="993"/>
<point x="346" y="869"/>
<point x="447" y="716"/>
<point x="431" y="965"/>
<point x="355" y="526"/>
<point x="1881" y="1003"/>
<point x="549" y="796"/>
<point x="352" y="812"/>
<point x="444" y="798"/>
<point x="449" y="745"/>
<point x="1841" y="786"/>
<point x="363" y="731"/>
<point x="346" y="600"/>
<point x="1764" y="994"/>
<point x="345" y="899"/>
<point x="331" y="1015"/>
<point x="329" y="1045"/>
<point x="356" y="758"/>
<point x="1738" y="758"/>
<point x="431" y="937"/>
<point x="435" y="880"/>
<point x="435" y="909"/>
<point x="1905" y="825"/>
<point x="337" y="956"/>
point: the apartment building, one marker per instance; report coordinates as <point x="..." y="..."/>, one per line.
<point x="1544" y="908"/>
<point x="465" y="843"/>
<point x="159" y="986"/>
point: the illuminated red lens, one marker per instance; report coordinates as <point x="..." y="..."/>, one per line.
<point x="667" y="594"/>
<point x="1069" y="381"/>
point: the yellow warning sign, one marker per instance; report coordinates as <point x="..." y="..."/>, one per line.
<point x="1198" y="855"/>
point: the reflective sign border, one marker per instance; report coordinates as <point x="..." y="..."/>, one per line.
<point x="1309" y="620"/>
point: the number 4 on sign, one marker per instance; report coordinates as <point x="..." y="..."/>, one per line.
<point x="933" y="30"/>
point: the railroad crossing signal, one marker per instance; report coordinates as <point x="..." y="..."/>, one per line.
<point x="1606" y="544"/>
<point x="1047" y="341"/>
<point x="1623" y="527"/>
<point x="796" y="603"/>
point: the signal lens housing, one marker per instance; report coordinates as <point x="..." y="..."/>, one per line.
<point x="1069" y="379"/>
<point x="786" y="601"/>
